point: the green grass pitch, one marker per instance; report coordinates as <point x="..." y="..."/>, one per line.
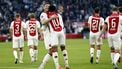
<point x="78" y="50"/>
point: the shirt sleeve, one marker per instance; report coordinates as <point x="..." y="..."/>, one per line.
<point x="102" y="21"/>
<point x="89" y="19"/>
<point x="38" y="24"/>
<point x="106" y="20"/>
<point x="23" y="25"/>
<point x="61" y="20"/>
<point x="43" y="16"/>
<point x="11" y="26"/>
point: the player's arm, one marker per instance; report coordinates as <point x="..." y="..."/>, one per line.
<point x="61" y="21"/>
<point x="46" y="21"/>
<point x="11" y="30"/>
<point x="25" y="31"/>
<point x="41" y="34"/>
<point x="89" y="20"/>
<point x="103" y="29"/>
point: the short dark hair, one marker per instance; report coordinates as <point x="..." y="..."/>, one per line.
<point x="120" y="9"/>
<point x="97" y="10"/>
<point x="114" y="9"/>
<point x="17" y="15"/>
<point x="52" y="8"/>
<point x="32" y="15"/>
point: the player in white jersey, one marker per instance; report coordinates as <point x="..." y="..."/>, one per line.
<point x="33" y="27"/>
<point x="17" y="29"/>
<point x="113" y="23"/>
<point x="45" y="34"/>
<point x="57" y="34"/>
<point x="120" y="12"/>
<point x="95" y="22"/>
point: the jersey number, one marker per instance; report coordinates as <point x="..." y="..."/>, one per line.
<point x="17" y="29"/>
<point x="56" y="23"/>
<point x="113" y="25"/>
<point x="32" y="30"/>
<point x="95" y="25"/>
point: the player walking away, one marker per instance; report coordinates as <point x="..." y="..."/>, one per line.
<point x="95" y="22"/>
<point x="17" y="29"/>
<point x="63" y="47"/>
<point x="33" y="27"/>
<point x="120" y="12"/>
<point x="57" y="34"/>
<point x="113" y="23"/>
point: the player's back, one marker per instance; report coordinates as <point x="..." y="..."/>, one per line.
<point x="32" y="28"/>
<point x="114" y="24"/>
<point x="56" y="25"/>
<point x="95" y="22"/>
<point x="17" y="26"/>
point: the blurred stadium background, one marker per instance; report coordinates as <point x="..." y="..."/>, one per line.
<point x="75" y="15"/>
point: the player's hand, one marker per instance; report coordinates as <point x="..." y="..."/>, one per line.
<point x="54" y="17"/>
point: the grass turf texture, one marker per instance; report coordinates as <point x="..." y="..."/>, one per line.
<point x="78" y="50"/>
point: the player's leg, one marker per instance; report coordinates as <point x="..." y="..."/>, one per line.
<point x="15" y="47"/>
<point x="92" y="47"/>
<point x="65" y="56"/>
<point x="54" y="44"/>
<point x="35" y="49"/>
<point x="120" y="51"/>
<point x="63" y="49"/>
<point x="21" y="55"/>
<point x="55" y="56"/>
<point x="98" y="53"/>
<point x="31" y="51"/>
<point x="117" y="46"/>
<point x="21" y="45"/>
<point x="47" y="43"/>
<point x="110" y="42"/>
<point x="46" y="59"/>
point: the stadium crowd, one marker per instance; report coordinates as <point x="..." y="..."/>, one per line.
<point x="76" y="11"/>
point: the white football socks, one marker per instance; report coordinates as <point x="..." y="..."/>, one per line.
<point x="55" y="58"/>
<point x="91" y="52"/>
<point x="98" y="55"/>
<point x="116" y="57"/>
<point x="15" y="54"/>
<point x="45" y="60"/>
<point x="36" y="54"/>
<point x="31" y="53"/>
<point x="21" y="55"/>
<point x="112" y="57"/>
<point x="65" y="56"/>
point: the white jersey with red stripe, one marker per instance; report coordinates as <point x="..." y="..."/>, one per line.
<point x="95" y="23"/>
<point x="55" y="25"/>
<point x="32" y="27"/>
<point x="17" y="27"/>
<point x="114" y="22"/>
